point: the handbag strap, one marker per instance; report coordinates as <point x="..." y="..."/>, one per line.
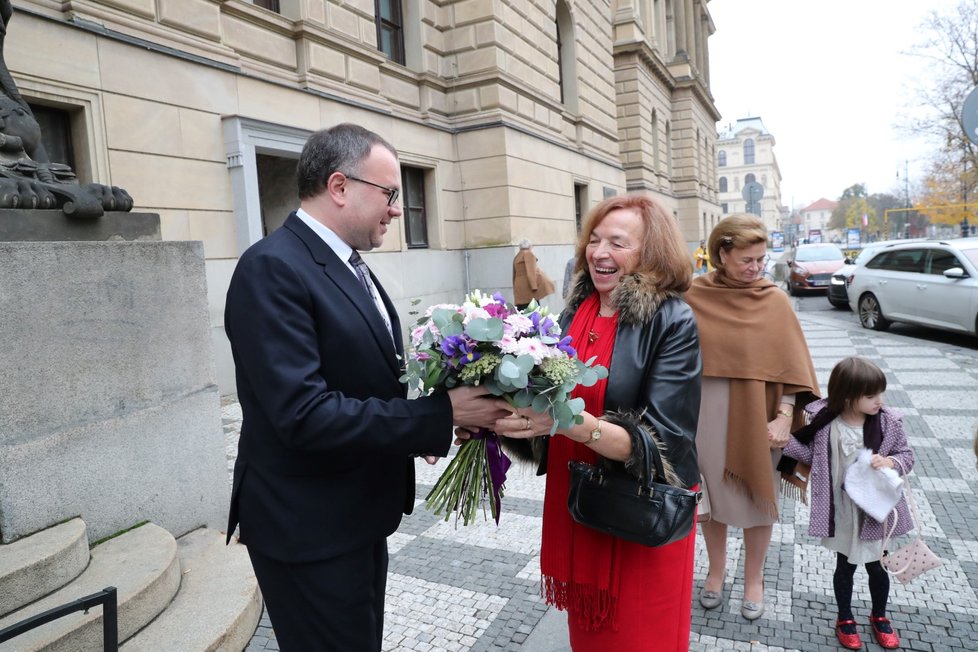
<point x="915" y="516"/>
<point x="652" y="457"/>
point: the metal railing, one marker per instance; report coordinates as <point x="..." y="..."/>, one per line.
<point x="110" y="618"/>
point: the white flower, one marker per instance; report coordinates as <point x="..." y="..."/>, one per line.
<point x="508" y="344"/>
<point x="533" y="347"/>
<point x="517" y="325"/>
<point x="474" y="312"/>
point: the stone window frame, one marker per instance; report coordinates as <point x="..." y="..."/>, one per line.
<point x="87" y="116"/>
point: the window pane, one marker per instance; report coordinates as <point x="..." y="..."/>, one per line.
<point x="55" y="133"/>
<point x="384" y="9"/>
<point x="415" y="215"/>
<point x="941" y="260"/>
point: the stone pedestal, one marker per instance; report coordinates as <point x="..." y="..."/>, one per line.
<point x="108" y="409"/>
<point x="46" y="226"/>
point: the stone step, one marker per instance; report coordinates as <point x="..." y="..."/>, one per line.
<point x="143" y="566"/>
<point x="218" y="605"/>
<point x="36" y="565"/>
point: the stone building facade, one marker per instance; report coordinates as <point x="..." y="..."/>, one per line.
<point x="512" y="118"/>
<point x="745" y="152"/>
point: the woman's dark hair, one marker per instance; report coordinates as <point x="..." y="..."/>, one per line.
<point x="338" y="149"/>
<point x="852" y="379"/>
<point x="737" y="231"/>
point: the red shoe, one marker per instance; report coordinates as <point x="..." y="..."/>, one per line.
<point x="845" y="631"/>
<point x="884" y="633"/>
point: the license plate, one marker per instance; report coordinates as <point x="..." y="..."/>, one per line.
<point x="818" y="283"/>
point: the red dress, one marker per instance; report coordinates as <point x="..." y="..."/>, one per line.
<point x="620" y="596"/>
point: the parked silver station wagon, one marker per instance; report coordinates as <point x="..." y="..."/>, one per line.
<point x="931" y="283"/>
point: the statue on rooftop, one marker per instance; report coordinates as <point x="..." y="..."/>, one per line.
<point x="28" y="178"/>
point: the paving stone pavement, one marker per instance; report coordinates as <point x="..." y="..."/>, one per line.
<point x="477" y="587"/>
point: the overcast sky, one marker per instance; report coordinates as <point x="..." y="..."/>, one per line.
<point x="830" y="81"/>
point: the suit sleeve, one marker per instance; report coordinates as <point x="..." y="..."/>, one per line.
<point x="278" y="325"/>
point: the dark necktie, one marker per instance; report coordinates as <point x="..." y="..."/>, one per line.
<point x="363" y="273"/>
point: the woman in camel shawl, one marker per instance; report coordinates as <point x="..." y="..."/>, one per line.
<point x="757" y="375"/>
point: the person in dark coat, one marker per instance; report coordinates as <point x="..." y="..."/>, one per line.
<point x="325" y="464"/>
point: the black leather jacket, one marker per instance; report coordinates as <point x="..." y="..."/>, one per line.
<point x="655" y="369"/>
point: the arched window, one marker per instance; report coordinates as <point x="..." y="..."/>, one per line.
<point x="722" y="158"/>
<point x="566" y="57"/>
<point x="723" y="184"/>
<point x="749" y="177"/>
<point x="748" y="151"/>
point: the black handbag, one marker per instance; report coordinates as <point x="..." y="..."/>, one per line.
<point x="644" y="510"/>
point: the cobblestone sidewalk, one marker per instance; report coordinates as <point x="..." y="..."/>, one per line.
<point x="477" y="588"/>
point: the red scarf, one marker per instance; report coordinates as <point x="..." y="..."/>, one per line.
<point x="579" y="565"/>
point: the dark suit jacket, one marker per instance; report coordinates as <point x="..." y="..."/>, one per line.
<point x="325" y="460"/>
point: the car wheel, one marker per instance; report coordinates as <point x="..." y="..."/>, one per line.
<point x="787" y="287"/>
<point x="870" y="315"/>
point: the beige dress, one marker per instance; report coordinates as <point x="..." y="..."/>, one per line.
<point x="726" y="504"/>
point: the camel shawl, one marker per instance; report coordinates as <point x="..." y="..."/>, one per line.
<point x="750" y="335"/>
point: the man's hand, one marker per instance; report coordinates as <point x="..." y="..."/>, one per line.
<point x="475" y="406"/>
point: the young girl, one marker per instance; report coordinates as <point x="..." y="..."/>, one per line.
<point x="850" y="419"/>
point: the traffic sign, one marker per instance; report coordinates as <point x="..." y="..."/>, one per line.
<point x="969" y="115"/>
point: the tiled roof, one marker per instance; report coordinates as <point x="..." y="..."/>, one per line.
<point x="822" y="204"/>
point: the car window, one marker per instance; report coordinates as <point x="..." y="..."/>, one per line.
<point x="865" y="255"/>
<point x="809" y="254"/>
<point x="902" y="260"/>
<point x="939" y="260"/>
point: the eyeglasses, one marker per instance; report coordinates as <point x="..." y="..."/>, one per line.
<point x="392" y="193"/>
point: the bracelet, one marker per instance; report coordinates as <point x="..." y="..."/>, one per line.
<point x="785" y="413"/>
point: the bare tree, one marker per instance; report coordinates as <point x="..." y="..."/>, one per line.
<point x="950" y="45"/>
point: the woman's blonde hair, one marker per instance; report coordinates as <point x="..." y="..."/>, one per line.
<point x="737" y="231"/>
<point x="663" y="255"/>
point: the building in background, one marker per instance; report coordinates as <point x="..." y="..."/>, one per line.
<point x="815" y="220"/>
<point x="512" y="118"/>
<point x="745" y="153"/>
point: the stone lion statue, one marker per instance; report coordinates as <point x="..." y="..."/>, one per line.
<point x="28" y="178"/>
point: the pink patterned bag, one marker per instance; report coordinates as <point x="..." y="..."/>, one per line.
<point x="911" y="560"/>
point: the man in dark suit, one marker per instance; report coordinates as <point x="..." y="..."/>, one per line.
<point x="325" y="463"/>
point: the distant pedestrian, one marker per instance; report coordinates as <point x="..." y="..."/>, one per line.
<point x="850" y="419"/>
<point x="529" y="281"/>
<point x="701" y="259"/>
<point x="568" y="286"/>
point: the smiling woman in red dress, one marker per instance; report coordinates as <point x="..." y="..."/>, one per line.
<point x="626" y="310"/>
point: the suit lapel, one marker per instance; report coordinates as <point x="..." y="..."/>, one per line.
<point x="340" y="275"/>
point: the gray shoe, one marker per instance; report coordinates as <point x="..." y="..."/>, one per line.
<point x="711" y="599"/>
<point x="752" y="610"/>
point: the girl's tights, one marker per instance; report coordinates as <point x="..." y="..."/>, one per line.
<point x="879" y="586"/>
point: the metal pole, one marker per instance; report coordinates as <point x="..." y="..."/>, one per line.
<point x="110" y="621"/>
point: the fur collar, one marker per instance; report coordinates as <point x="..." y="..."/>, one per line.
<point x="637" y="297"/>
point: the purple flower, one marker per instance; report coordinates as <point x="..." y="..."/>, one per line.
<point x="460" y="349"/>
<point x="565" y="345"/>
<point x="542" y="325"/>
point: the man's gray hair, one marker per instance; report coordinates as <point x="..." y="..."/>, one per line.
<point x="524" y="244"/>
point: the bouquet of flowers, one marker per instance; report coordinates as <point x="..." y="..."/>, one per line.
<point x="518" y="355"/>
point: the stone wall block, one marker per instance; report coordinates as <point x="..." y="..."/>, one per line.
<point x="108" y="409"/>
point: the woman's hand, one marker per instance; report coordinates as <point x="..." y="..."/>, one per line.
<point x="778" y="431"/>
<point x="524" y="423"/>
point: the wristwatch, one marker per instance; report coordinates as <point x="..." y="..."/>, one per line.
<point x="595" y="434"/>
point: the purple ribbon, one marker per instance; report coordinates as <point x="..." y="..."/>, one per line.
<point x="498" y="462"/>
